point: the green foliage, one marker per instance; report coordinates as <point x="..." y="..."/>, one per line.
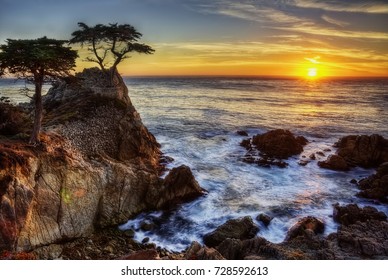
<point x="109" y="41"/>
<point x="37" y="60"/>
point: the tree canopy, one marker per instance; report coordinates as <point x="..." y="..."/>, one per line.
<point x="37" y="61"/>
<point x="110" y="44"/>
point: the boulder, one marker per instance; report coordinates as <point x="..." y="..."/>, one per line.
<point x="350" y="214"/>
<point x="363" y="150"/>
<point x="178" y="186"/>
<point x="334" y="162"/>
<point x="265" y="219"/>
<point x="376" y="186"/>
<point x="279" y="143"/>
<point x="307" y="226"/>
<point x="242" y="228"/>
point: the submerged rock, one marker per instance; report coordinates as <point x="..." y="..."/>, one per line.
<point x="242" y="228"/>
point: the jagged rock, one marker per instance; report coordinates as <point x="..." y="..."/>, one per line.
<point x="178" y="186"/>
<point x="97" y="166"/>
<point x="242" y="228"/>
<point x="308" y="226"/>
<point x="362" y="240"/>
<point x="279" y="143"/>
<point x="350" y="214"/>
<point x="198" y="252"/>
<point x="376" y="186"/>
<point x="334" y="162"/>
<point x="365" y="151"/>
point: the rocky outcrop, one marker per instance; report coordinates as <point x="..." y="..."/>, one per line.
<point x="363" y="233"/>
<point x="350" y="214"/>
<point x="178" y="186"/>
<point x="242" y="228"/>
<point x="357" y="150"/>
<point x="97" y="166"/>
<point x="279" y="143"/>
<point x="376" y="186"/>
<point x="334" y="162"/>
<point x="363" y="150"/>
<point x="271" y="147"/>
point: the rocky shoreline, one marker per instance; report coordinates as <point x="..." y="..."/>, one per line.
<point x="98" y="166"/>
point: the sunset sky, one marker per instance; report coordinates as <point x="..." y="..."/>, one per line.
<point x="224" y="37"/>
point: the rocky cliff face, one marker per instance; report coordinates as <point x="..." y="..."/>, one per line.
<point x="97" y="166"/>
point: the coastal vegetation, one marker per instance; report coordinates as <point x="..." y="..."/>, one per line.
<point x="38" y="61"/>
<point x="110" y="44"/>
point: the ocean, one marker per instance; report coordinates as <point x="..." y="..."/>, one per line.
<point x="196" y="122"/>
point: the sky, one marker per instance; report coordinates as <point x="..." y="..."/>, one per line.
<point x="223" y="37"/>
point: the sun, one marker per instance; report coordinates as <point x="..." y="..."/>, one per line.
<point x="312" y="72"/>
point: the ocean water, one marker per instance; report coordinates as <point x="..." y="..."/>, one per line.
<point x="196" y="120"/>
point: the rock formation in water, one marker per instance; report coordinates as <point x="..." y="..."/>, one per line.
<point x="271" y="147"/>
<point x="97" y="166"/>
<point x="358" y="150"/>
<point x="376" y="186"/>
<point x="363" y="234"/>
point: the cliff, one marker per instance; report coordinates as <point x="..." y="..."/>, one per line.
<point x="97" y="166"/>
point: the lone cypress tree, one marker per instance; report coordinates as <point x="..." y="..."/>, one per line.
<point x="37" y="61"/>
<point x="110" y="44"/>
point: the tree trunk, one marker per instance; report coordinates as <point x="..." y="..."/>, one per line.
<point x="38" y="112"/>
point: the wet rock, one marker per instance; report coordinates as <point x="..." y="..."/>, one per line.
<point x="198" y="252"/>
<point x="334" y="162"/>
<point x="312" y="156"/>
<point x="178" y="186"/>
<point x="145" y="240"/>
<point x="242" y="228"/>
<point x="303" y="162"/>
<point x="242" y="133"/>
<point x="265" y="219"/>
<point x="308" y="226"/>
<point x="363" y="150"/>
<point x="376" y="186"/>
<point x="246" y="143"/>
<point x="147" y="226"/>
<point x="279" y="143"/>
<point x="351" y="214"/>
<point x="353" y="181"/>
<point x="322" y="154"/>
